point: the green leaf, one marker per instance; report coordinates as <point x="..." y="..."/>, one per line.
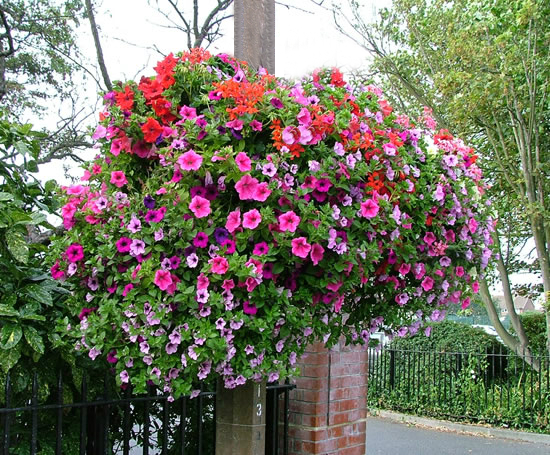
<point x="17" y="246"/>
<point x="32" y="317"/>
<point x="10" y="336"/>
<point x="32" y="166"/>
<point x="37" y="218"/>
<point x="8" y="359"/>
<point x="34" y="339"/>
<point x="22" y="148"/>
<point x="39" y="293"/>
<point x="5" y="310"/>
<point x="6" y="196"/>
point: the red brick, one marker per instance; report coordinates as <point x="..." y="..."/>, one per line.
<point x="345" y="402"/>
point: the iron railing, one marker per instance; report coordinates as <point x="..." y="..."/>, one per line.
<point x="496" y="387"/>
<point x="119" y="422"/>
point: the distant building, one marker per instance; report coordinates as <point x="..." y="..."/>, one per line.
<point x="521" y="304"/>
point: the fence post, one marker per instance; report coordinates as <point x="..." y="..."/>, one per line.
<point x="240" y="419"/>
<point x="392" y="368"/>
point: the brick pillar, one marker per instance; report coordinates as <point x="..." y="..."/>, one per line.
<point x="328" y="408"/>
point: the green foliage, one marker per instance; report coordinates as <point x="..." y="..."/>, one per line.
<point x="448" y="336"/>
<point x="29" y="297"/>
<point x="534" y="324"/>
<point x="42" y="59"/>
<point x="480" y="388"/>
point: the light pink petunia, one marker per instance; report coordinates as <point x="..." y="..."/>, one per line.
<point x="190" y="161"/>
<point x="369" y="208"/>
<point x="233" y="221"/>
<point x="243" y="161"/>
<point x="200" y="206"/>
<point x="246" y="187"/>
<point x="163" y="279"/>
<point x="289" y="221"/>
<point x="252" y="219"/>
<point x="316" y="253"/>
<point x="300" y="247"/>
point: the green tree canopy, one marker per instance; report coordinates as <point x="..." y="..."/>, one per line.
<point x="483" y="69"/>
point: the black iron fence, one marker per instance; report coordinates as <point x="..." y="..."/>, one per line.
<point x="499" y="387"/>
<point x="119" y="422"/>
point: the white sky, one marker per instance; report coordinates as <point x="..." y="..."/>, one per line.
<point x="305" y="36"/>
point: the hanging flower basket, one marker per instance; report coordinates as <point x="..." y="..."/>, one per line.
<point x="231" y="218"/>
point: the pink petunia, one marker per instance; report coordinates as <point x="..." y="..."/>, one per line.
<point x="300" y="247"/>
<point x="404" y="269"/>
<point x="262" y="192"/>
<point x="288" y="221"/>
<point x="200" y="207"/>
<point x="369" y="208"/>
<point x="243" y="161"/>
<point x="190" y="161"/>
<point x="233" y="221"/>
<point x="427" y="283"/>
<point x="202" y="281"/>
<point x="252" y="219"/>
<point x="429" y="237"/>
<point x="219" y="265"/>
<point x="118" y="178"/>
<point x="163" y="279"/>
<point x="246" y="187"/>
<point x="316" y="253"/>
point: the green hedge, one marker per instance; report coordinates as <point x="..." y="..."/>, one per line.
<point x="448" y="336"/>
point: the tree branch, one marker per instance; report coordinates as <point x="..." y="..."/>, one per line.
<point x="97" y="43"/>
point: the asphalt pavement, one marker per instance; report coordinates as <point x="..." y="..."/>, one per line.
<point x="390" y="437"/>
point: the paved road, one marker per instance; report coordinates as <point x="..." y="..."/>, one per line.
<point x="387" y="437"/>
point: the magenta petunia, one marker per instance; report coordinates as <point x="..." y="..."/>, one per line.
<point x="251" y="219"/>
<point x="323" y="185"/>
<point x="163" y="279"/>
<point x="200" y="207"/>
<point x="249" y="308"/>
<point x="118" y="178"/>
<point x="75" y="252"/>
<point x="369" y="208"/>
<point x="123" y="244"/>
<point x="218" y="265"/>
<point x="260" y="249"/>
<point x="201" y="240"/>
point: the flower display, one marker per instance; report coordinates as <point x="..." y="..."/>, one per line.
<point x="231" y="218"/>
